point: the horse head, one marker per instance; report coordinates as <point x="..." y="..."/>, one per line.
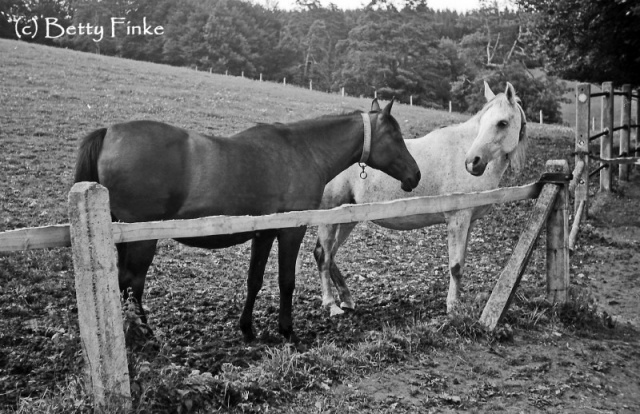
<point x="502" y="132"/>
<point x="388" y="151"/>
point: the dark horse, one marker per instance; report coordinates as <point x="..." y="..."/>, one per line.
<point x="155" y="171"/>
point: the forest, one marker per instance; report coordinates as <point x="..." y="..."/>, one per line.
<point x="407" y="51"/>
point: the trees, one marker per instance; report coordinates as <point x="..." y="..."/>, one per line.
<point x="589" y="40"/>
<point x="397" y="54"/>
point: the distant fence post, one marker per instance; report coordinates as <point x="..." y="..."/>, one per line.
<point x="342" y="89"/>
<point x="625" y="136"/>
<point x="606" y="141"/>
<point x="583" y="94"/>
<point x="635" y="137"/>
<point x="558" y="239"/>
<point x="310" y="84"/>
<point x="284" y="81"/>
<point x="541" y="117"/>
<point x="97" y="292"/>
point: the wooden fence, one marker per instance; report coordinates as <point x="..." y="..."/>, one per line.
<point x="628" y="145"/>
<point x="92" y="236"/>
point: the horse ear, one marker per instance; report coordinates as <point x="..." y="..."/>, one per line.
<point x="387" y="109"/>
<point x="375" y="107"/>
<point x="510" y="92"/>
<point x="488" y="93"/>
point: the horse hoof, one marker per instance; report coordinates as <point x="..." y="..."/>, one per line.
<point x="348" y="306"/>
<point x="248" y="336"/>
<point x="293" y="338"/>
<point x="335" y="310"/>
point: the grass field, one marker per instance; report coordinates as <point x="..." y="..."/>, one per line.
<point x="397" y="352"/>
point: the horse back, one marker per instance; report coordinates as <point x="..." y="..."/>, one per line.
<point x="156" y="171"/>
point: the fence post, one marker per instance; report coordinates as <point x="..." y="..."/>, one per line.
<point x="541" y="117"/>
<point x="606" y="141"/>
<point x="635" y="137"/>
<point x="342" y="89"/>
<point x="97" y="293"/>
<point x="625" y="137"/>
<point x="558" y="239"/>
<point x="583" y="102"/>
<point x="310" y="84"/>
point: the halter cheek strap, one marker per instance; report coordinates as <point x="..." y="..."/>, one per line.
<point x="366" y="148"/>
<point x="523" y="123"/>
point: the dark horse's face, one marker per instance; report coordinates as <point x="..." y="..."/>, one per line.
<point x="388" y="150"/>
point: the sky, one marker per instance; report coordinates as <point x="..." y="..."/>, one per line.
<point x="458" y="5"/>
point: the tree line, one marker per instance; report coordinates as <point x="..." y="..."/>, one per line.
<point x="409" y="51"/>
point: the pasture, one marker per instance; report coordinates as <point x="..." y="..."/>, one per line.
<point x="397" y="352"/>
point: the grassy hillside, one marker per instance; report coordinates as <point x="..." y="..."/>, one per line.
<point x="398" y="351"/>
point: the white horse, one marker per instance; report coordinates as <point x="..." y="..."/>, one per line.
<point x="466" y="157"/>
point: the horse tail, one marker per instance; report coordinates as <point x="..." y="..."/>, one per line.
<point x="88" y="153"/>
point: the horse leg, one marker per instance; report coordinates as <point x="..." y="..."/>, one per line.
<point x="346" y="302"/>
<point x="134" y="259"/>
<point x="289" y="241"/>
<point x="458" y="231"/>
<point x="322" y="253"/>
<point x="260" y="249"/>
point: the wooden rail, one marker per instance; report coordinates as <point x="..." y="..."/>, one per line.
<point x="58" y="235"/>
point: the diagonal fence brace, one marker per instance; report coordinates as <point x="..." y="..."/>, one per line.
<point x="550" y="209"/>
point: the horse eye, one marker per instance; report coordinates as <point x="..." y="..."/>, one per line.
<point x="503" y="124"/>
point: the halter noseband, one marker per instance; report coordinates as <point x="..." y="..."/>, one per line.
<point x="366" y="148"/>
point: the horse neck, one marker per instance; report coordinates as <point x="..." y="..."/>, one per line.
<point x="333" y="143"/>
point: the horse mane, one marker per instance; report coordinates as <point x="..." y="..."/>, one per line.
<point x="517" y="157"/>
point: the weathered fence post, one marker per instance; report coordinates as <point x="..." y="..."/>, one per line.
<point x="635" y="137"/>
<point x="583" y="94"/>
<point x="505" y="288"/>
<point x="558" y="239"/>
<point x="606" y="141"/>
<point x="625" y="136"/>
<point x="97" y="293"/>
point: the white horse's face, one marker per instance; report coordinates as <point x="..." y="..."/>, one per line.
<point x="499" y="132"/>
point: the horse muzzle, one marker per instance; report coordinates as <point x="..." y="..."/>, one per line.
<point x="476" y="166"/>
<point x="410" y="183"/>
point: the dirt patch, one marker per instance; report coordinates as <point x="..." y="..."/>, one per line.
<point x="612" y="239"/>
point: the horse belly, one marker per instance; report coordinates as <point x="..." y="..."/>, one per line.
<point x="218" y="241"/>
<point x="411" y="222"/>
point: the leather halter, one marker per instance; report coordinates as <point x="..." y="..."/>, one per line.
<point x="366" y="148"/>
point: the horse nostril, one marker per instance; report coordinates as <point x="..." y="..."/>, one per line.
<point x="476" y="161"/>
